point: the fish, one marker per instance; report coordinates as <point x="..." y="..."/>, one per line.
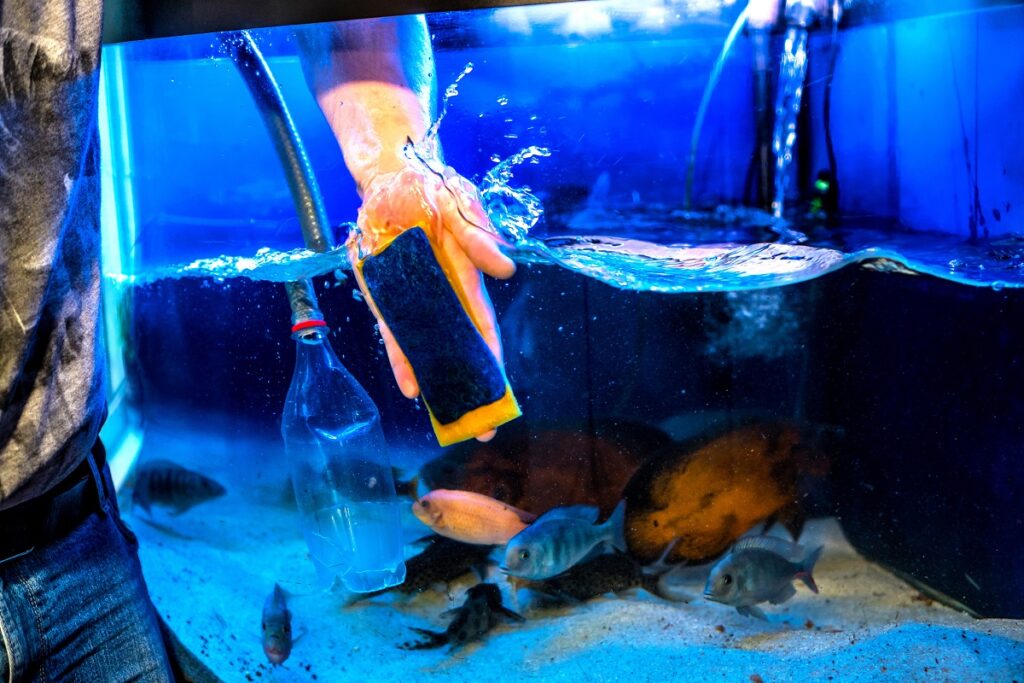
<point x="709" y="492"/>
<point x="760" y="569"/>
<point x="560" y="539"/>
<point x="168" y="484"/>
<point x="441" y="562"/>
<point x="470" y="517"/>
<point x="479" y="614"/>
<point x="277" y="627"/>
<point x="537" y="469"/>
<point x="608" y="573"/>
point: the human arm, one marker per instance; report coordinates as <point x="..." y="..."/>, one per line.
<point x="375" y="83"/>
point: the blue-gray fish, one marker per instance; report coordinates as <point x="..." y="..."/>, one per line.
<point x="277" y="627"/>
<point x="760" y="569"/>
<point x="560" y="539"/>
<point x="165" y="483"/>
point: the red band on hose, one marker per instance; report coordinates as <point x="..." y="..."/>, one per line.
<point x="306" y="324"/>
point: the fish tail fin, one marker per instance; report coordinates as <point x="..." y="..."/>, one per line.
<point x="431" y="639"/>
<point x="281" y="594"/>
<point x="662" y="565"/>
<point x="663" y="587"/>
<point x="616" y="526"/>
<point x="140" y="497"/>
<point x="413" y="488"/>
<point x="807" y="567"/>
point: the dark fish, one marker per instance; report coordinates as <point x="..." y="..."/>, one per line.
<point x="277" y="627"/>
<point x="168" y="484"/>
<point x="608" y="573"/>
<point x="706" y="494"/>
<point x="481" y="612"/>
<point x="760" y="569"/>
<point x="442" y="561"/>
<point x="536" y="470"/>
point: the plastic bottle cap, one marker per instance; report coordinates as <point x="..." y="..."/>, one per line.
<point x="306" y="324"/>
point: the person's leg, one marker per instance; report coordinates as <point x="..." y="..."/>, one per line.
<point x="89" y="616"/>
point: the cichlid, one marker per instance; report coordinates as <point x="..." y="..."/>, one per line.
<point x="168" y="484"/>
<point x="470" y="517"/>
<point x="277" y="627"/>
<point x="481" y="612"/>
<point x="560" y="539"/>
<point x="608" y="573"/>
<point x="760" y="569"/>
<point x="442" y="561"/>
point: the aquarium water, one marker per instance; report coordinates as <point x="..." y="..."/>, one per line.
<point x="657" y="312"/>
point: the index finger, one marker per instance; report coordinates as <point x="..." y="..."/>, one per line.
<point x="464" y="216"/>
<point x="484" y="252"/>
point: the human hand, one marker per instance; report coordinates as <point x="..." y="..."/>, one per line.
<point x="448" y="208"/>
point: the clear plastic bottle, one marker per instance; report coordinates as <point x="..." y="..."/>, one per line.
<point x="341" y="471"/>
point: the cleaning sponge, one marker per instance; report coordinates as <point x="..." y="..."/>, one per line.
<point x="462" y="383"/>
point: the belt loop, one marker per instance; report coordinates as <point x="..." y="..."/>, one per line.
<point x="101" y="488"/>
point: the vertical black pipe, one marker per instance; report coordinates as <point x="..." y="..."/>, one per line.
<point x="309" y="204"/>
<point x="298" y="171"/>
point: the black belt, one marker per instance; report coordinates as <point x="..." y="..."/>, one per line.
<point x="55" y="513"/>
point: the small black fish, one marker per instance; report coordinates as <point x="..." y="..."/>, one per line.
<point x="165" y="483"/>
<point x="481" y="612"/>
<point x="277" y="627"/>
<point x="608" y="573"/>
<point x="442" y="561"/>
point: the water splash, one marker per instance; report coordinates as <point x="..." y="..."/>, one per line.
<point x="513" y="211"/>
<point x="426" y="150"/>
<point x="673" y="269"/>
<point x="792" y="70"/>
<point x="266" y="265"/>
<point x="651" y="266"/>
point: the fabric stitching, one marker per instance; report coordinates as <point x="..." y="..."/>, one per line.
<point x="37" y="613"/>
<point x="8" y="648"/>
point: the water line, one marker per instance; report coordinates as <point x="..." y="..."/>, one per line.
<point x="705" y="100"/>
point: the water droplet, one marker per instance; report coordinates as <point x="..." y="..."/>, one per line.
<point x="503" y="101"/>
<point x="998" y="285"/>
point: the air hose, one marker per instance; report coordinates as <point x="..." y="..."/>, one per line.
<point x="309" y="203"/>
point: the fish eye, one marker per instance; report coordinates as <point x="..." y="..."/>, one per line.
<point x="425" y="504"/>
<point x="727" y="579"/>
<point x="524" y="554"/>
<point x="287" y="628"/>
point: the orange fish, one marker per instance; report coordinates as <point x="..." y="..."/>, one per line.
<point x="470" y="517"/>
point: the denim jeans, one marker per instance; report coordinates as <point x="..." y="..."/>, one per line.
<point x="77" y="609"/>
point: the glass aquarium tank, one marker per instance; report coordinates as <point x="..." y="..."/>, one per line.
<point x="763" y="379"/>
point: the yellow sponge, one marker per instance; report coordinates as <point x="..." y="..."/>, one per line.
<point x="461" y="382"/>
